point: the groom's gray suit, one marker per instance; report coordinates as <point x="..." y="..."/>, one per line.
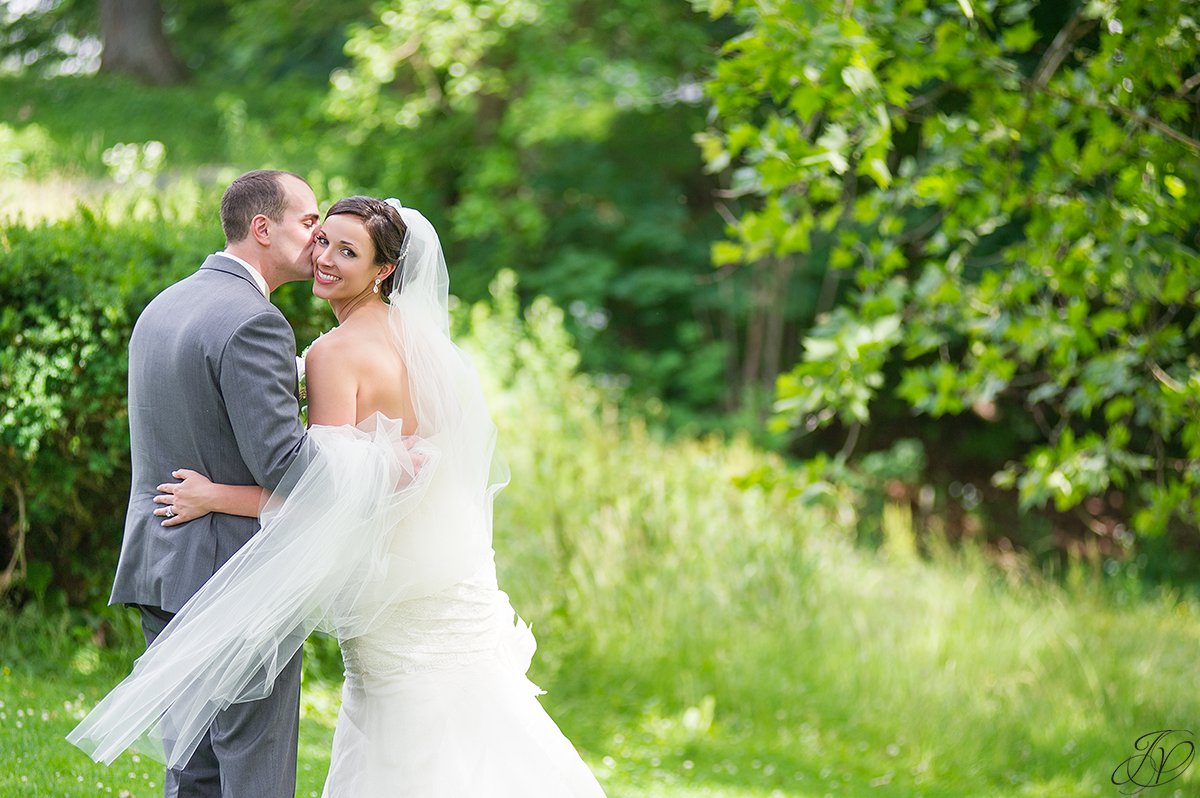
<point x="212" y="387"/>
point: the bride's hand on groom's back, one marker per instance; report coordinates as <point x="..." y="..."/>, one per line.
<point x="417" y="457"/>
<point x="186" y="500"/>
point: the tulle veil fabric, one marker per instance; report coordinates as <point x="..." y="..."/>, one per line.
<point x="346" y="536"/>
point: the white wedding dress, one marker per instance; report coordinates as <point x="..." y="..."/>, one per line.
<point x="436" y="703"/>
<point x="384" y="540"/>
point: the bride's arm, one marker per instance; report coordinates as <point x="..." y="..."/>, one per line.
<point x="195" y="495"/>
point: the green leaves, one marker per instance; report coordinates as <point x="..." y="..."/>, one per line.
<point x="1020" y="38"/>
<point x="70" y="292"/>
<point x="840" y="373"/>
<point x="1036" y="191"/>
<point x="554" y="138"/>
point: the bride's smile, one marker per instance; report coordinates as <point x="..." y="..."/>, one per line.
<point x="326" y="279"/>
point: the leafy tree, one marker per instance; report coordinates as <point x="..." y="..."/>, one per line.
<point x="1002" y="201"/>
<point x="554" y="137"/>
<point x="67" y="35"/>
<point x="45" y="35"/>
<point x="550" y="136"/>
<point x="162" y="41"/>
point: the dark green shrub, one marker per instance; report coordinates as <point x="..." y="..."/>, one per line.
<point x="69" y="295"/>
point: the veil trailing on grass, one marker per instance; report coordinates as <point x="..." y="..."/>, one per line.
<point x="367" y="517"/>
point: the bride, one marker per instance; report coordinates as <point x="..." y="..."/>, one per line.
<point x="380" y="534"/>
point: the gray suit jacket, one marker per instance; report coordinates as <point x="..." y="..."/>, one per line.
<point x="212" y="387"/>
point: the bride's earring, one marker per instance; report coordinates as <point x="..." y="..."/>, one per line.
<point x="378" y="280"/>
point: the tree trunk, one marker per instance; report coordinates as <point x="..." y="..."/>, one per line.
<point x="756" y="326"/>
<point x="777" y="322"/>
<point x="135" y="44"/>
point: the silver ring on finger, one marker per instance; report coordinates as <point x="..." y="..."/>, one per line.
<point x="170" y="511"/>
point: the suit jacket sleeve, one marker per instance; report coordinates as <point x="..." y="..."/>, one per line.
<point x="258" y="384"/>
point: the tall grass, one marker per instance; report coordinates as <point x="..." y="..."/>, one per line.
<point x="697" y="639"/>
<point x="711" y="614"/>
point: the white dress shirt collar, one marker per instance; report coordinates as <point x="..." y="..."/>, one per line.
<point x="259" y="280"/>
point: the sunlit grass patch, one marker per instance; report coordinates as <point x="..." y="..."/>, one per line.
<point x="36" y="712"/>
<point x="177" y="199"/>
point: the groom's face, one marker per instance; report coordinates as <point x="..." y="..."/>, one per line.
<point x="295" y="233"/>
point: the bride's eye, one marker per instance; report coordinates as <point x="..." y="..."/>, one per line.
<point x="349" y="253"/>
<point x="322" y="240"/>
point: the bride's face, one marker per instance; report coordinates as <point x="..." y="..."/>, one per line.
<point x="344" y="259"/>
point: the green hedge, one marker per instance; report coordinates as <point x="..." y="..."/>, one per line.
<point x="69" y="295"/>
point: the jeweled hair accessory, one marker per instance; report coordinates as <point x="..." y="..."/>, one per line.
<point x="395" y="203"/>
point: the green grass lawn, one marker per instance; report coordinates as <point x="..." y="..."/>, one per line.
<point x="41" y="704"/>
<point x="912" y="679"/>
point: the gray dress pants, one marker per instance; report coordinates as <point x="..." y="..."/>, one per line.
<point x="250" y="749"/>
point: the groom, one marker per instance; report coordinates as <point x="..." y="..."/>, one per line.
<point x="212" y="385"/>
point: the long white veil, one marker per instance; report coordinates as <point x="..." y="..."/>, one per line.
<point x="367" y="517"/>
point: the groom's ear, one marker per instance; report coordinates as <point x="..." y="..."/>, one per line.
<point x="260" y="228"/>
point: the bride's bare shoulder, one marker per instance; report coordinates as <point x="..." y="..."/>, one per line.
<point x="348" y="346"/>
<point x="333" y="351"/>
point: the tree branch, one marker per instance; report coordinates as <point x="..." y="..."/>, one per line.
<point x="1188" y="85"/>
<point x="1057" y="52"/>
<point x="16" y="565"/>
<point x="851" y="439"/>
<point x="1149" y="121"/>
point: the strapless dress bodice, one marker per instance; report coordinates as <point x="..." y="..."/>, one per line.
<point x="461" y="625"/>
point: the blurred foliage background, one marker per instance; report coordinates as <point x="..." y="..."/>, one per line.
<point x="941" y="254"/>
<point x="802" y="299"/>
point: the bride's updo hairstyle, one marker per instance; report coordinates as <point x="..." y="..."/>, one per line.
<point x="384" y="225"/>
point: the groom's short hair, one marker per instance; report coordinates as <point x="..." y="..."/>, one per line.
<point x="249" y="195"/>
